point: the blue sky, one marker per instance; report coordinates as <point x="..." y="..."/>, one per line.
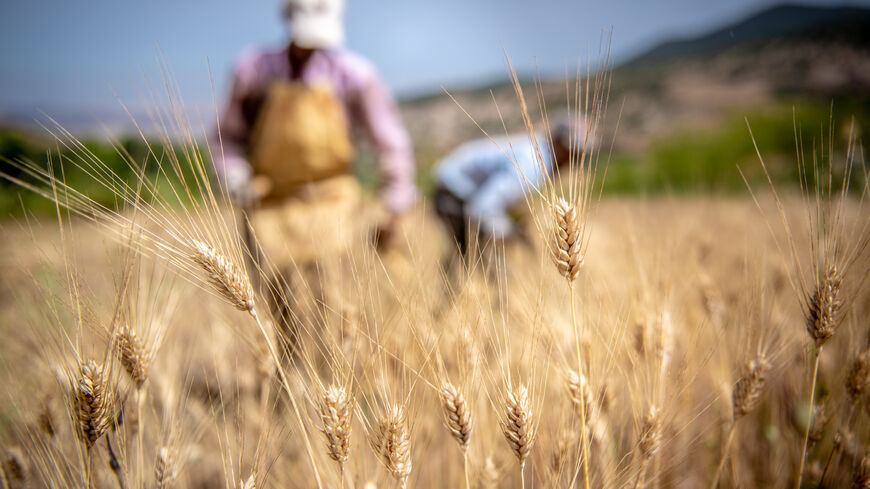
<point x="67" y="56"/>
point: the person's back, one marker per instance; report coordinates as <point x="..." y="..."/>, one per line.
<point x="480" y="181"/>
<point x="488" y="176"/>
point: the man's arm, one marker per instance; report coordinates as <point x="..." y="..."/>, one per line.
<point x="390" y="140"/>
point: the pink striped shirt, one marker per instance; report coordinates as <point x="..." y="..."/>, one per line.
<point x="355" y="83"/>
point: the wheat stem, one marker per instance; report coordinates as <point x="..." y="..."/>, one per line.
<point x="139" y="435"/>
<point x="465" y="468"/>
<point x="89" y="470"/>
<point x="800" y="472"/>
<point x="725" y="450"/>
<point x="114" y="464"/>
<point x="309" y="449"/>
<point x="583" y="441"/>
<point x="638" y="482"/>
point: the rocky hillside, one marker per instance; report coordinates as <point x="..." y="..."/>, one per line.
<point x="784" y="51"/>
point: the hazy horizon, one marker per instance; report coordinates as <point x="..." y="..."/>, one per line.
<point x="68" y="59"/>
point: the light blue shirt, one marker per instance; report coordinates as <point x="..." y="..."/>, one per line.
<point x="492" y="176"/>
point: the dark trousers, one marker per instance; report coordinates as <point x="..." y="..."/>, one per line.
<point x="451" y="210"/>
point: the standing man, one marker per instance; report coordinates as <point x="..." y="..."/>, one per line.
<point x="285" y="145"/>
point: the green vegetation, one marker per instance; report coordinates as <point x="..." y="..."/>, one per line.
<point x="692" y="160"/>
<point x="17" y="145"/>
<point x="705" y="160"/>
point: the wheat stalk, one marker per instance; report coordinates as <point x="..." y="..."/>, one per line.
<point x="227" y="279"/>
<point x="336" y="413"/>
<point x="823" y="317"/>
<point x="393" y="445"/>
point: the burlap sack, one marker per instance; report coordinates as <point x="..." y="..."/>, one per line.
<point x="319" y="221"/>
<point x="301" y="145"/>
<point x="301" y="136"/>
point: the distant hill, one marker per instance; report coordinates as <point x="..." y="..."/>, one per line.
<point x="782" y="51"/>
<point x="850" y="25"/>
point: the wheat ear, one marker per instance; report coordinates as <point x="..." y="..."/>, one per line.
<point x="393" y="445"/>
<point x="133" y="355"/>
<point x="823" y="316"/>
<point x="336" y="413"/>
<point x="491" y="475"/>
<point x="228" y="280"/>
<point x="165" y="469"/>
<point x="457" y="415"/>
<point x="748" y="390"/>
<point x="92" y="403"/>
<point x="13" y="471"/>
<point x="861" y="476"/>
<point x="858" y="377"/>
<point x="580" y="392"/>
<point x="650" y="441"/>
<point x="567" y="250"/>
<point x="250" y="483"/>
<point x="518" y="425"/>
<point x="745" y="397"/>
<point x="823" y="307"/>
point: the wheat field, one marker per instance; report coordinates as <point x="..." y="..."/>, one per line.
<point x="666" y="342"/>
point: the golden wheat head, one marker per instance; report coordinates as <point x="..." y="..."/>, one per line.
<point x="824" y="307"/>
<point x="748" y="390"/>
<point x="228" y="280"/>
<point x="92" y="403"/>
<point x="133" y="355"/>
<point x="457" y="415"/>
<point x="392" y="443"/>
<point x="336" y="413"/>
<point x="164" y="469"/>
<point x="651" y="435"/>
<point x="567" y="252"/>
<point x="518" y="425"/>
<point x="580" y="391"/>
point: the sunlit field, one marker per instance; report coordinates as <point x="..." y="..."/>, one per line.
<point x="672" y="340"/>
<point x="678" y="302"/>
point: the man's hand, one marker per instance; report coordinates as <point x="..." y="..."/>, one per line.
<point x="238" y="185"/>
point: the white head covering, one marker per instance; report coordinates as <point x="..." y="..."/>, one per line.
<point x="315" y="24"/>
